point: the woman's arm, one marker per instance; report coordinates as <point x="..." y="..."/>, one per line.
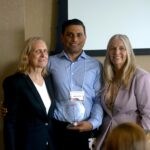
<point x="142" y="93"/>
<point x="11" y="103"/>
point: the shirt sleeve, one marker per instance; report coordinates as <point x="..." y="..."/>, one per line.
<point x="142" y="92"/>
<point x="96" y="115"/>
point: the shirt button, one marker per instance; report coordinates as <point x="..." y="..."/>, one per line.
<point x="46" y="124"/>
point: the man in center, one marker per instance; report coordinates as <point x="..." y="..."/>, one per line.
<point x="77" y="85"/>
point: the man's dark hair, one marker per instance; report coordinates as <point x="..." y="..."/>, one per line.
<point x="72" y="22"/>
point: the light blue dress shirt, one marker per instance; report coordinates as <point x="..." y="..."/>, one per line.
<point x="82" y="74"/>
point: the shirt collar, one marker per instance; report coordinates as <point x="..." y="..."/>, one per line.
<point x="82" y="56"/>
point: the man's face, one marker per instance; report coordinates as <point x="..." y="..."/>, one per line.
<point x="73" y="39"/>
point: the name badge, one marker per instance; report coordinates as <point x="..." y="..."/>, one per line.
<point x="77" y="95"/>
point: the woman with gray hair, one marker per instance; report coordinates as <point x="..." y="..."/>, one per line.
<point x="126" y="95"/>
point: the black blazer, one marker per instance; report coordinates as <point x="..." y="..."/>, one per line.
<point x="27" y="126"/>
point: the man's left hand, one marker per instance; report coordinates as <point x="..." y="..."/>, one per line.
<point x="82" y="126"/>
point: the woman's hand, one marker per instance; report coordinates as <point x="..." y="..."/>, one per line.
<point x="3" y="111"/>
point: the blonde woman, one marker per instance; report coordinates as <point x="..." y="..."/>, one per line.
<point x="28" y="98"/>
<point x="126" y="95"/>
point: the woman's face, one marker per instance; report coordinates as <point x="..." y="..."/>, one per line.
<point x="38" y="57"/>
<point x="117" y="53"/>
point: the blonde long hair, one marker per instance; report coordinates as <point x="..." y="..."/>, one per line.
<point x="129" y="67"/>
<point x="24" y="65"/>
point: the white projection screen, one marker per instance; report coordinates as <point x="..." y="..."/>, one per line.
<point x="104" y="18"/>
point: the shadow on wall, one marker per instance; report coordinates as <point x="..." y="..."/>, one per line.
<point x="9" y="69"/>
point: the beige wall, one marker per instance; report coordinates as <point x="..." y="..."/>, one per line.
<point x="40" y="20"/>
<point x="21" y="19"/>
